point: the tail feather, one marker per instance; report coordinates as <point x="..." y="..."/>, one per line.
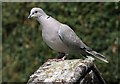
<point x="98" y="55"/>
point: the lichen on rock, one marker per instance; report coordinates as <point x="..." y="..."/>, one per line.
<point x="60" y="71"/>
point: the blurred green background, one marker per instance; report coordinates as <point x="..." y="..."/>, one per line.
<point x="24" y="51"/>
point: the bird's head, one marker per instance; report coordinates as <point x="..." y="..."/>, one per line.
<point x="36" y="12"/>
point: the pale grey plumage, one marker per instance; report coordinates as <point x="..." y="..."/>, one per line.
<point x="61" y="37"/>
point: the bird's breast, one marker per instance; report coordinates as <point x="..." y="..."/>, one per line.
<point x="52" y="39"/>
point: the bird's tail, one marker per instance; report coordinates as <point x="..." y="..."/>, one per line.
<point x="97" y="55"/>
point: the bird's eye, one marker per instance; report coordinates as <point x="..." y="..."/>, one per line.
<point x="36" y="11"/>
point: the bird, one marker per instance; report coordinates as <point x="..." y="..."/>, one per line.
<point x="61" y="38"/>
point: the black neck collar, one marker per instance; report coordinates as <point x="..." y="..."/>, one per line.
<point x="48" y="17"/>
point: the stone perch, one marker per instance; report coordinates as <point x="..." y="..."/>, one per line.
<point x="75" y="71"/>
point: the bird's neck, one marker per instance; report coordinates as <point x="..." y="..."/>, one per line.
<point x="42" y="20"/>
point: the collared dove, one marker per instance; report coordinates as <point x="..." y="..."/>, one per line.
<point x="60" y="37"/>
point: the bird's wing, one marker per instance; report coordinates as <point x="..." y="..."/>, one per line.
<point x="68" y="36"/>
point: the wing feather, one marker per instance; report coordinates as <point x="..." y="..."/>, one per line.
<point x="68" y="36"/>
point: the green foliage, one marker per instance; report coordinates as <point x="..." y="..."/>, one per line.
<point x="24" y="51"/>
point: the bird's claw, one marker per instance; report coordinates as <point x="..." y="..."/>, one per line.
<point x="57" y="60"/>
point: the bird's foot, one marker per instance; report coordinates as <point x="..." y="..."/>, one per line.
<point x="57" y="60"/>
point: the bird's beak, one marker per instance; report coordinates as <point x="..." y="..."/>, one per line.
<point x="29" y="16"/>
